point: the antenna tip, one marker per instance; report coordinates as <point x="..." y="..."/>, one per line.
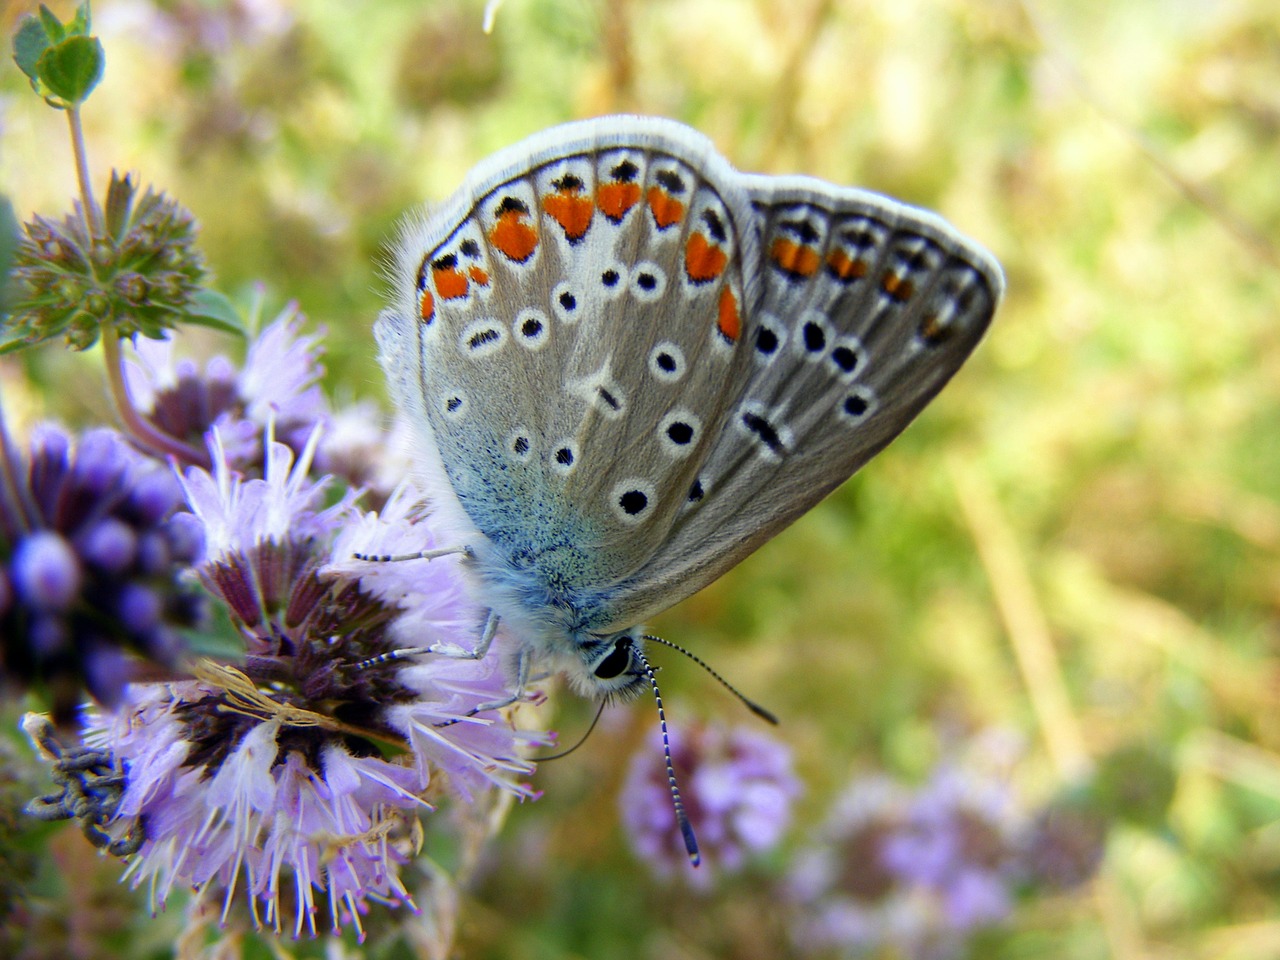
<point x="762" y="713"/>
<point x="690" y="841"/>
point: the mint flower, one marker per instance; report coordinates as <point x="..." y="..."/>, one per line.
<point x="278" y="384"/>
<point x="918" y="872"/>
<point x="737" y="787"/>
<point x="297" y="776"/>
<point x="265" y="811"/>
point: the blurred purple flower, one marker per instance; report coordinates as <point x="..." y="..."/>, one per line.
<point x="847" y="895"/>
<point x="918" y="872"/>
<point x="737" y="787"/>
<point x="360" y="448"/>
<point x="91" y="553"/>
<point x="957" y="841"/>
<point x="279" y="383"/>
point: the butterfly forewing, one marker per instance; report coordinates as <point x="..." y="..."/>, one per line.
<point x="868" y="308"/>
<point x="571" y="328"/>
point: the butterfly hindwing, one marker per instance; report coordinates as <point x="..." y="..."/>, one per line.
<point x="570" y="328"/>
<point x="868" y="308"/>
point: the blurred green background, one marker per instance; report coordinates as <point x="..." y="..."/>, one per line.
<point x="1079" y="542"/>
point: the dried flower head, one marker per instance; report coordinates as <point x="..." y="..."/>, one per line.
<point x="137" y="275"/>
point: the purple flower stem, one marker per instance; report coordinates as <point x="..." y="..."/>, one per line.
<point x="134" y="423"/>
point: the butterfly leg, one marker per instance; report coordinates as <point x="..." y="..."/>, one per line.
<point x="453" y="650"/>
<point x="519" y="696"/>
<point x="460" y="652"/>
<point x="420" y="555"/>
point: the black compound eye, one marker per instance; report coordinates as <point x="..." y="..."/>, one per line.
<point x="616" y="663"/>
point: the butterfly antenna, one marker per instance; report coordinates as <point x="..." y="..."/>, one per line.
<point x="686" y="828"/>
<point x="565" y="753"/>
<point x="750" y="704"/>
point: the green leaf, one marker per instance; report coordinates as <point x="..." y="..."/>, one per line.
<point x="80" y="25"/>
<point x="53" y="27"/>
<point x="208" y="308"/>
<point x="29" y="45"/>
<point x="73" y="68"/>
<point x="11" y="339"/>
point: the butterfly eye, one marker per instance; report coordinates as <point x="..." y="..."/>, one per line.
<point x="617" y="661"/>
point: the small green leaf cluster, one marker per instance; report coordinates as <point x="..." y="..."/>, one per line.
<point x="62" y="61"/>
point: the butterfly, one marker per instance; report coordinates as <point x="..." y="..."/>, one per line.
<point x="628" y="365"/>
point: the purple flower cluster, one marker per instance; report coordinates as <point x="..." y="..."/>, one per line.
<point x="737" y="788"/>
<point x="297" y="773"/>
<point x="919" y="871"/>
<point x="92" y="543"/>
<point x="275" y="768"/>
<point x="278" y="384"/>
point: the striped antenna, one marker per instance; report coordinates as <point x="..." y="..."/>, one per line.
<point x="686" y="828"/>
<point x="750" y="704"/>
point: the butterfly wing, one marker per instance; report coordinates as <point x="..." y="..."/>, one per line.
<point x="868" y="308"/>
<point x="565" y="336"/>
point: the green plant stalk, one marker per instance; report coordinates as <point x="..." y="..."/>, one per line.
<point x="133" y="422"/>
<point x="89" y="206"/>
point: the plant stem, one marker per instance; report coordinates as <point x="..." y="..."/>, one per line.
<point x="15" y="496"/>
<point x="89" y="207"/>
<point x="134" y="423"/>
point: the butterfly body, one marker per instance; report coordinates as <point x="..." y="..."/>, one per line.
<point x="629" y="364"/>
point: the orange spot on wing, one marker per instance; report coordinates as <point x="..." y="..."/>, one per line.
<point x="795" y="258"/>
<point x="571" y="210"/>
<point x="667" y="210"/>
<point x="843" y="267"/>
<point x="478" y="276"/>
<point x="615" y="199"/>
<point x="450" y="282"/>
<point x="702" y="260"/>
<point x="933" y="331"/>
<point x="513" y="236"/>
<point x="897" y="287"/>
<point x="427" y="306"/>
<point x="729" y="320"/>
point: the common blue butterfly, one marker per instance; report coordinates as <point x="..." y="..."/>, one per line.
<point x="628" y="365"/>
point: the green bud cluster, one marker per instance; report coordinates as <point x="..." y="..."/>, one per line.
<point x="140" y="275"/>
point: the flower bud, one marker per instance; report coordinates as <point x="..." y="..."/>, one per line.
<point x="46" y="572"/>
<point x="109" y="545"/>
